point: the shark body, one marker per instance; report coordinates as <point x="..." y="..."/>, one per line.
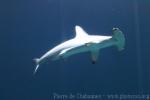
<point x="83" y="42"/>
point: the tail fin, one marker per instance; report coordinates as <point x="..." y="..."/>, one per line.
<point x="37" y="60"/>
<point x="118" y="36"/>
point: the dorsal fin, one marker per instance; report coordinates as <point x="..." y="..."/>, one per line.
<point x="80" y="32"/>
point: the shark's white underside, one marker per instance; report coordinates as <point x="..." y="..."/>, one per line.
<point x="83" y="42"/>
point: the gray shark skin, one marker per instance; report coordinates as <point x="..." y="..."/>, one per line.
<point x="83" y="42"/>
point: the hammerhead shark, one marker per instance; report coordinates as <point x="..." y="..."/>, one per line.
<point x="83" y="42"/>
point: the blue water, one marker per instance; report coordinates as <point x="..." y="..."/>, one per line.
<point x="29" y="28"/>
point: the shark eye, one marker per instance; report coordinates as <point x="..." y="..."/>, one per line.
<point x="115" y="29"/>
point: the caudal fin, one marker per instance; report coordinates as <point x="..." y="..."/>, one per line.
<point x="37" y="60"/>
<point x="118" y="36"/>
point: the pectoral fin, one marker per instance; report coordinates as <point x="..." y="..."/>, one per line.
<point x="94" y="56"/>
<point x="88" y="44"/>
<point x="91" y="43"/>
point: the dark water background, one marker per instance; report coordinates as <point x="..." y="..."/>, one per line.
<point x="29" y="28"/>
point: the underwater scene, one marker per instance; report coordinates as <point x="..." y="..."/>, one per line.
<point x="75" y="50"/>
